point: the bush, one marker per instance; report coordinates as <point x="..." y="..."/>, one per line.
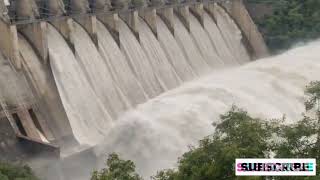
<point x="16" y="172"/>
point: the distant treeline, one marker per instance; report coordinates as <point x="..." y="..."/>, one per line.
<point x="293" y="21"/>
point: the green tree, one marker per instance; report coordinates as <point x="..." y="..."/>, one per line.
<point x="16" y="172"/>
<point x="237" y="136"/>
<point x="117" y="169"/>
<point x="293" y="21"/>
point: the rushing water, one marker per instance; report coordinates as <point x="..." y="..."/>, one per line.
<point x="174" y="52"/>
<point x="190" y="49"/>
<point x="139" y="61"/>
<point x="95" y="68"/>
<point x="204" y="43"/>
<point x="267" y="88"/>
<point x="232" y="35"/>
<point x="119" y="67"/>
<point x="218" y="41"/>
<point x="88" y="117"/>
<point x="158" y="59"/>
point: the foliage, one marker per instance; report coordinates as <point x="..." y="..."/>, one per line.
<point x="16" y="172"/>
<point x="117" y="169"/>
<point x="293" y="21"/>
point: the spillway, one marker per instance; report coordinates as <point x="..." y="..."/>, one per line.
<point x="231" y="35"/>
<point x="139" y="61"/>
<point x="218" y="41"/>
<point x="194" y="57"/>
<point x="268" y="88"/>
<point x="119" y="67"/>
<point x="205" y="46"/>
<point x="87" y="115"/>
<point x="98" y="73"/>
<point x="174" y="53"/>
<point x="158" y="59"/>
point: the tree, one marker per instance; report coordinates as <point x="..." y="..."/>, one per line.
<point x="16" y="172"/>
<point x="237" y="136"/>
<point x="293" y="21"/>
<point x="117" y="169"/>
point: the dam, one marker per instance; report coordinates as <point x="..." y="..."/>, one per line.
<point x="77" y="77"/>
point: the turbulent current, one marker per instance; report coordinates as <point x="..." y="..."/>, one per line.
<point x="149" y="97"/>
<point x="268" y="88"/>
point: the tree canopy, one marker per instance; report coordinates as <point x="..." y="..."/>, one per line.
<point x="16" y="172"/>
<point x="293" y="21"/>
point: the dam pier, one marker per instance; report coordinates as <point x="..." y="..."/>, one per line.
<point x="69" y="69"/>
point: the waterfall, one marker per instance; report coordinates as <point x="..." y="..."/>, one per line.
<point x="218" y="41"/>
<point x="119" y="67"/>
<point x="95" y="68"/>
<point x="158" y="59"/>
<point x="139" y="61"/>
<point x="87" y="115"/>
<point x="174" y="52"/>
<point x="232" y="34"/>
<point x="267" y="88"/>
<point x="204" y="44"/>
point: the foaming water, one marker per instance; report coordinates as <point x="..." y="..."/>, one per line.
<point x="231" y="34"/>
<point x="204" y="43"/>
<point x="99" y="76"/>
<point x="218" y="41"/>
<point x="267" y="88"/>
<point x="174" y="53"/>
<point x="139" y="62"/>
<point x="88" y="117"/>
<point x="158" y="59"/>
<point x="119" y="67"/>
<point x="190" y="49"/>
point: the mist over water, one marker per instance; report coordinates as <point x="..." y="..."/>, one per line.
<point x="268" y="88"/>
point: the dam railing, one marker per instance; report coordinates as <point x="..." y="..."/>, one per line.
<point x="10" y="16"/>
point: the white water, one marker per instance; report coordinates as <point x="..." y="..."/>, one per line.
<point x="119" y="67"/>
<point x="139" y="61"/>
<point x="174" y="53"/>
<point x="232" y="34"/>
<point x="204" y="44"/>
<point x="218" y="41"/>
<point x="158" y="59"/>
<point x="88" y="117"/>
<point x="267" y="88"/>
<point x="98" y="74"/>
<point x="190" y="49"/>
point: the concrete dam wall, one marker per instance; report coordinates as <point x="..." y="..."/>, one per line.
<point x="69" y="71"/>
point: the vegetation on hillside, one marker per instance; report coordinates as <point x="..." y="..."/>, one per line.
<point x="293" y="21"/>
<point x="238" y="135"/>
<point x="16" y="172"/>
